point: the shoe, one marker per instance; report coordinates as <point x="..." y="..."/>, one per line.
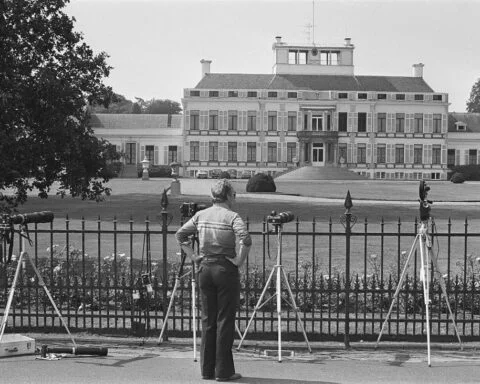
<point x="235" y="376"/>
<point x="211" y="377"/>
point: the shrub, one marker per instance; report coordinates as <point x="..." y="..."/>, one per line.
<point x="225" y="175"/>
<point x="156" y="171"/>
<point x="470" y="172"/>
<point x="457" y="178"/>
<point x="261" y="182"/>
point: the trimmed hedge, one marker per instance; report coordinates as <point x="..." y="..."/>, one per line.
<point x="470" y="172"/>
<point x="261" y="182"/>
<point x="457" y="178"/>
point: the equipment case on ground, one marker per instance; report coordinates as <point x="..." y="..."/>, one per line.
<point x="16" y="345"/>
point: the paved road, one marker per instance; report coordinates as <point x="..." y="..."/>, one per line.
<point x="329" y="363"/>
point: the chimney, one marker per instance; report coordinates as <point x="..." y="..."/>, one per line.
<point x="418" y="70"/>
<point x="348" y="42"/>
<point x="279" y="39"/>
<point x="205" y="66"/>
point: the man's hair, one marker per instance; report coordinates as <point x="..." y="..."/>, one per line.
<point x="220" y="190"/>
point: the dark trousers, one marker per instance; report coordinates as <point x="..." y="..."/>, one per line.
<point x="219" y="289"/>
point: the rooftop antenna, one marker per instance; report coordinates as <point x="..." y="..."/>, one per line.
<point x="310" y="27"/>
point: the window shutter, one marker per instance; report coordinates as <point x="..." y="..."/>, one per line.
<point x="224" y="125"/>
<point x="429" y="121"/>
<point x="349" y="153"/>
<point x="369" y="153"/>
<point x="457" y="157"/>
<point x="299" y="121"/>
<point x="334" y="121"/>
<point x="427" y="153"/>
<point x="375" y="153"/>
<point x="444" y="124"/>
<point x="279" y="152"/>
<point x="408" y="122"/>
<point x="350" y="122"/>
<point x="284" y="152"/>
<point x="265" y="121"/>
<point x="203" y="150"/>
<point x="203" y="120"/>
<point x="187" y="120"/>
<point x="142" y="152"/>
<point x="264" y="152"/>
<point x="444" y="154"/>
<point x="369" y="122"/>
<point x="466" y="157"/>
<point x="390" y="123"/>
<point x="355" y="122"/>
<point x="165" y="154"/>
<point x="390" y="153"/>
<point x="375" y="123"/>
<point x="155" y="155"/>
<point x="259" y="152"/>
<point x="242" y="126"/>
<point x="221" y="152"/>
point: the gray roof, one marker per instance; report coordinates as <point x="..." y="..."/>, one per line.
<point x="471" y="120"/>
<point x="314" y="82"/>
<point x="134" y="121"/>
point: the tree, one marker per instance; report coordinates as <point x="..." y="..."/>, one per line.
<point x="48" y="78"/>
<point x="167" y="107"/>
<point x="119" y="104"/>
<point x="473" y="103"/>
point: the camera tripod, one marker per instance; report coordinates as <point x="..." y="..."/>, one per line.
<point x="23" y="258"/>
<point x="422" y="239"/>
<point x="279" y="271"/>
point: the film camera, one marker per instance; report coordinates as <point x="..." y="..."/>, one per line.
<point x="424" y="202"/>
<point x="189" y="209"/>
<point x="280" y="218"/>
<point x="7" y="222"/>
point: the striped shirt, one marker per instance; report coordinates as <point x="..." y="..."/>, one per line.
<point x="218" y="228"/>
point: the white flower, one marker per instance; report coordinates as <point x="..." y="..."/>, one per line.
<point x="373" y="256"/>
<point x="57" y="269"/>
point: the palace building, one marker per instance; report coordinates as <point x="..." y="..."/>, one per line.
<point x="313" y="110"/>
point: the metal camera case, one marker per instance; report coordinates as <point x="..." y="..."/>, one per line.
<point x="425" y="208"/>
<point x="281" y="218"/>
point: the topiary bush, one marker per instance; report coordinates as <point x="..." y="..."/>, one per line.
<point x="470" y="172"/>
<point x="225" y="175"/>
<point x="261" y="182"/>
<point x="457" y="178"/>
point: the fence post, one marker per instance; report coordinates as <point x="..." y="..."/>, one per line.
<point x="348" y="221"/>
<point x="165" y="218"/>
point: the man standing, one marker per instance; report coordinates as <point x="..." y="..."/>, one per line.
<point x="218" y="228"/>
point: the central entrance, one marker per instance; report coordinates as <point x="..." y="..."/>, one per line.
<point x="318" y="158"/>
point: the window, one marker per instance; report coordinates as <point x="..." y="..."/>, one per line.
<point x="212" y="93"/>
<point x="252" y="121"/>
<point x="436" y="154"/>
<point x="292" y="95"/>
<point x="361" y="153"/>
<point x="272" y="121"/>
<point x="381" y="122"/>
<point x="149" y="153"/>
<point x="291" y="151"/>
<point x="418" y="97"/>
<point x="342" y="121"/>
<point x="169" y="121"/>
<point x="232" y="151"/>
<point x="213" y="120"/>
<point x="362" y="122"/>
<point x="232" y="120"/>
<point x="472" y="156"/>
<point x="172" y="154"/>
<point x="272" y="152"/>
<point x="381" y="96"/>
<point x="252" y="94"/>
<point x="329" y="57"/>
<point x="400" y="122"/>
<point x="451" y="157"/>
<point x="399" y="154"/>
<point x="232" y="93"/>
<point x="317" y="123"/>
<point x="418" y="154"/>
<point x="461" y="127"/>
<point x="297" y="57"/>
<point x="194" y="151"/>
<point x="213" y="151"/>
<point x="251" y="152"/>
<point x="418" y="123"/>
<point x="194" y="120"/>
<point x="381" y="153"/>
<point x="400" y="96"/>
<point x="362" y="96"/>
<point x="194" y="93"/>
<point x="292" y="121"/>
<point x="437" y="97"/>
<point x="437" y="123"/>
<point x="343" y="95"/>
<point x="272" y="94"/>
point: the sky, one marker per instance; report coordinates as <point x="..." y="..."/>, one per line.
<point x="155" y="46"/>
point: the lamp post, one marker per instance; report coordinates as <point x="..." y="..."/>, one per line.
<point x="145" y="164"/>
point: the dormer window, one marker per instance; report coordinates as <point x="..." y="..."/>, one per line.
<point x="292" y="95"/>
<point x="461" y="127"/>
<point x="272" y="94"/>
<point x="252" y="94"/>
<point x="232" y="93"/>
<point x="329" y="57"/>
<point x="343" y="95"/>
<point x="194" y="93"/>
<point x="400" y="96"/>
<point x="212" y="93"/>
<point x="418" y="97"/>
<point x="437" y="97"/>
<point x="362" y="96"/>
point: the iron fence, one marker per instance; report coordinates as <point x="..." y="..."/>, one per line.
<point x="343" y="275"/>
